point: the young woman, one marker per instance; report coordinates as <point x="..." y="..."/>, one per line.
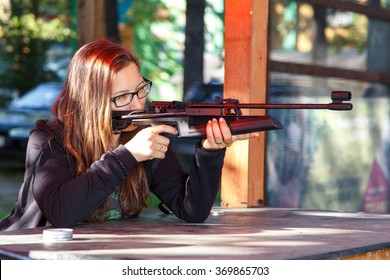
<point x="79" y="170"/>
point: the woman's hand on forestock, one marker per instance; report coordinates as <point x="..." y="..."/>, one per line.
<point x="149" y="144"/>
<point x="219" y="135"/>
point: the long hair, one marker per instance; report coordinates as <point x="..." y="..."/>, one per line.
<point x="84" y="110"/>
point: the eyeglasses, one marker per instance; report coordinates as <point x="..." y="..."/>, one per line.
<point x="141" y="91"/>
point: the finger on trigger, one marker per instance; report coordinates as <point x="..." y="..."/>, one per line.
<point x="164" y="128"/>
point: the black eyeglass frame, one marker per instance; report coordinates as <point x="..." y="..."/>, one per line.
<point x="146" y="82"/>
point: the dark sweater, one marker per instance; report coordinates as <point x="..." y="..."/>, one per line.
<point x="55" y="197"/>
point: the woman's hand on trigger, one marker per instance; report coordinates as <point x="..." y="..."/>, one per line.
<point x="148" y="143"/>
<point x="219" y="135"/>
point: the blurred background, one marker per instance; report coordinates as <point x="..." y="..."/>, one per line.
<point x="320" y="160"/>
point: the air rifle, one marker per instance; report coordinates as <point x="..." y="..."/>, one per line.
<point x="190" y="118"/>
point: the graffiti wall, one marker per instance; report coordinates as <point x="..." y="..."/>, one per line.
<point x="330" y="160"/>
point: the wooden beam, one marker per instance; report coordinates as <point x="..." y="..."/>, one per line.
<point x="246" y="30"/>
<point x="368" y="10"/>
<point x="325" y="71"/>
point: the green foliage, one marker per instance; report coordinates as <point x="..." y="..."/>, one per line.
<point x="159" y="38"/>
<point x="354" y="37"/>
<point x="159" y="35"/>
<point x="24" y="41"/>
<point x="214" y="29"/>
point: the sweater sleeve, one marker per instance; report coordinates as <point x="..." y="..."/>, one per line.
<point x="65" y="200"/>
<point x="189" y="196"/>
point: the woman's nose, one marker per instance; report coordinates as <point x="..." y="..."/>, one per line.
<point x="136" y="103"/>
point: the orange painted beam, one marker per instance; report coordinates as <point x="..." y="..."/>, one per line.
<point x="246" y="44"/>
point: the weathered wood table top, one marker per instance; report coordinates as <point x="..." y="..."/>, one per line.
<point x="261" y="233"/>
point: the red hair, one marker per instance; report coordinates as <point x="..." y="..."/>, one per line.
<point x="84" y="110"/>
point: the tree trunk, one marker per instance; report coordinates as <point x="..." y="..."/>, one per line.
<point x="320" y="45"/>
<point x="378" y="56"/>
<point x="90" y="21"/>
<point x="194" y="43"/>
<point x="111" y="13"/>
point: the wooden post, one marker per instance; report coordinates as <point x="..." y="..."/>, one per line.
<point x="246" y="31"/>
<point x="90" y="21"/>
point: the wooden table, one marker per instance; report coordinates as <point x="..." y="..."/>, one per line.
<point x="250" y="233"/>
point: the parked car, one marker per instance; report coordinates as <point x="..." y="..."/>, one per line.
<point x="17" y="119"/>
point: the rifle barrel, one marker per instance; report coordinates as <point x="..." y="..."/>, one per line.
<point x="337" y="103"/>
<point x="338" y="98"/>
<point x="331" y="106"/>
